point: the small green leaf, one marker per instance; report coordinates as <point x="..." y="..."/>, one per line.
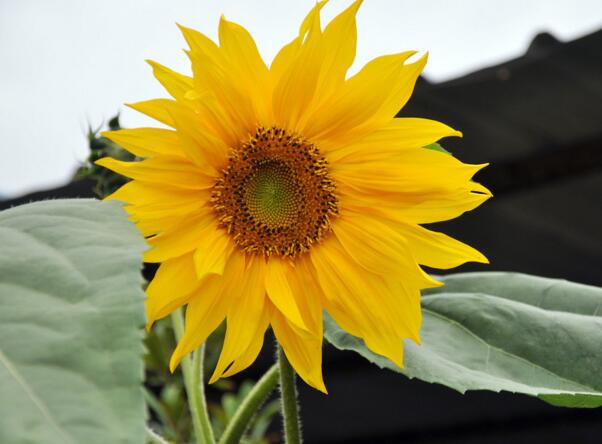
<point x="505" y="332"/>
<point x="437" y="147"/>
<point x="71" y="312"/>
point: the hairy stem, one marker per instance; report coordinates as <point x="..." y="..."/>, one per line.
<point x="194" y="384"/>
<point x="290" y="408"/>
<point x="198" y="385"/>
<point x="249" y="407"/>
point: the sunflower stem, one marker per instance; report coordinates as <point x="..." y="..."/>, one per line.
<point x="194" y="384"/>
<point x="288" y="396"/>
<point x="198" y="385"/>
<point x="249" y="407"/>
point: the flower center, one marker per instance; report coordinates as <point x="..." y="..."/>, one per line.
<point x="275" y="195"/>
<point x="272" y="194"/>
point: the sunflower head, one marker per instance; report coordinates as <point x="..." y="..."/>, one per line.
<point x="279" y="192"/>
<point x="275" y="196"/>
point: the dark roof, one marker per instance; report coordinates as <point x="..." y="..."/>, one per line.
<point x="546" y="100"/>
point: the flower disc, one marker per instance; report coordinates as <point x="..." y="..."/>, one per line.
<point x="275" y="196"/>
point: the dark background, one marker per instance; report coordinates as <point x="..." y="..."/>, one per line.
<point x="538" y="120"/>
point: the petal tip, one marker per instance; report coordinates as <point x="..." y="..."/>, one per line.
<point x="435" y="283"/>
<point x="417" y="340"/>
<point x="214" y="377"/>
<point x="482" y="259"/>
<point x="104" y="161"/>
<point x="319" y="385"/>
<point x="174" y="361"/>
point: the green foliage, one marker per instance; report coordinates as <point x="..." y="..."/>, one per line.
<point x="71" y="312"/>
<point x="164" y="391"/>
<point x="106" y="180"/>
<point x="505" y="332"/>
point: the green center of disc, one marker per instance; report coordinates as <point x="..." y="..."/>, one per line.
<point x="271" y="194"/>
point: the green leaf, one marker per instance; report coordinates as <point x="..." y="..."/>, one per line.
<point x="505" y="332"/>
<point x="437" y="147"/>
<point x="71" y="312"/>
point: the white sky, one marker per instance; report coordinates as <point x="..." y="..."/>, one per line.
<point x="67" y="63"/>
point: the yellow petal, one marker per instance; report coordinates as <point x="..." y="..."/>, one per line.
<point x="364" y="303"/>
<point x="171" y="287"/>
<point x="296" y="86"/>
<point x="379" y="248"/>
<point x="215" y="74"/>
<point x="172" y="170"/>
<point x="147" y="142"/>
<point x="151" y="226"/>
<point x="203" y="52"/>
<point x="399" y="135"/>
<point x="250" y="354"/>
<point x="312" y="68"/>
<point x="401" y="92"/>
<point x="289" y="52"/>
<point x="198" y="42"/>
<point x="212" y="252"/>
<point x="217" y="121"/>
<point x="279" y="290"/>
<point x="244" y="283"/>
<point x="164" y="209"/>
<point x="310" y="18"/>
<point x="147" y="193"/>
<point x="368" y="100"/>
<point x="303" y="352"/>
<point x="248" y="66"/>
<point x="210" y="72"/>
<point x="205" y="312"/>
<point x="339" y="43"/>
<point x="156" y="208"/>
<point x="430" y="206"/>
<point x="176" y="84"/>
<point x="437" y="249"/>
<point x="182" y="238"/>
<point x="158" y="109"/>
<point x="373" y="244"/>
<point x="440" y="208"/>
<point x="198" y="142"/>
<point x="308" y="293"/>
<point x="418" y="171"/>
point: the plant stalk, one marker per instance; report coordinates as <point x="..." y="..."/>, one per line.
<point x="249" y="407"/>
<point x="194" y="384"/>
<point x="288" y="396"/>
<point x="198" y="384"/>
<point x="154" y="438"/>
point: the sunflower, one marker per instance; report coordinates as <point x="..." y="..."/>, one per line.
<point x="279" y="192"/>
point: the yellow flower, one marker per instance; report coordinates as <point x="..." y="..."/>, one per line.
<point x="283" y="191"/>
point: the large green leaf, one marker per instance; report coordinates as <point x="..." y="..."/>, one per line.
<point x="505" y="331"/>
<point x="71" y="311"/>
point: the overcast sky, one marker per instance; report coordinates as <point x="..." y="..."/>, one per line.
<point x="65" y="64"/>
